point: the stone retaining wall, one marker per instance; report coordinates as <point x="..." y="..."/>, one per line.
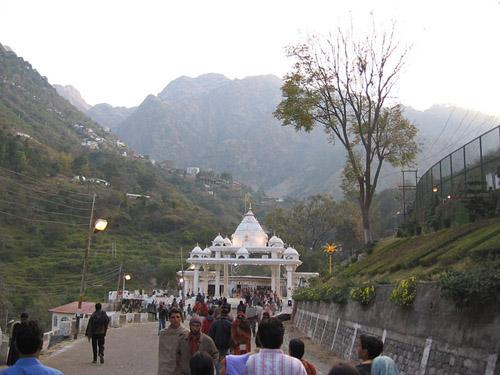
<point x="431" y="337"/>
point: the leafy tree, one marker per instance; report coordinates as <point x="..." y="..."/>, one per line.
<point x="312" y="223"/>
<point x="342" y="84"/>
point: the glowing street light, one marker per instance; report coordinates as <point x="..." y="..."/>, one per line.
<point x="126" y="277"/>
<point x="94" y="226"/>
<point x="100" y="225"/>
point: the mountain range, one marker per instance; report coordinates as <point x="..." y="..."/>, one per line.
<point x="213" y="122"/>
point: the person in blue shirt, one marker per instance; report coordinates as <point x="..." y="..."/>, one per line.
<point x="29" y="341"/>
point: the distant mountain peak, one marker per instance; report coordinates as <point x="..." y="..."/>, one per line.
<point x="72" y="95"/>
<point x="188" y="87"/>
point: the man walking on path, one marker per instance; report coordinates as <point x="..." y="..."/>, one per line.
<point x="271" y="360"/>
<point x="195" y="341"/>
<point x="13" y="352"/>
<point x="220" y="332"/>
<point x="162" y="317"/>
<point x="168" y="344"/>
<point x="96" y="330"/>
<point x="29" y="341"/>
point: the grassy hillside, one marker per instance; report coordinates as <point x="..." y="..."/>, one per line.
<point x="428" y="256"/>
<point x="44" y="215"/>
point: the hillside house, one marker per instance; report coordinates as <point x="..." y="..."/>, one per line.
<point x="68" y="312"/>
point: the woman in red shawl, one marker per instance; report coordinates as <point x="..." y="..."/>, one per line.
<point x="241" y="335"/>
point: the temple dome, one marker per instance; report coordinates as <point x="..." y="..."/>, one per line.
<point x="249" y="233"/>
<point x="242" y="253"/>
<point x="218" y="241"/>
<point x="207" y="253"/>
<point x="291" y="253"/>
<point x="276" y="242"/>
<point x="197" y="252"/>
<point x="227" y="242"/>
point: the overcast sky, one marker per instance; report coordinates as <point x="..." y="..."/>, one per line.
<point x="119" y="51"/>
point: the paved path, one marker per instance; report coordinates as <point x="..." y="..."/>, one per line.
<point x="132" y="349"/>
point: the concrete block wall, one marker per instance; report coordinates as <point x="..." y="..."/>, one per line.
<point x="431" y="337"/>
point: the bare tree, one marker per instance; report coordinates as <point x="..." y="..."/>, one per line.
<point x="342" y="84"/>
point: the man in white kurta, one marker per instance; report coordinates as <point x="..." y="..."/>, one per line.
<point x="271" y="360"/>
<point x="168" y="348"/>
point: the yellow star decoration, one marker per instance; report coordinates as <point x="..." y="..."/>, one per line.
<point x="330" y="248"/>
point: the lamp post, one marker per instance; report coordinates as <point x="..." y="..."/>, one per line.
<point x="126" y="277"/>
<point x="97" y="226"/>
<point x="182" y="280"/>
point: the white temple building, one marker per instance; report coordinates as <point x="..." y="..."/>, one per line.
<point x="210" y="269"/>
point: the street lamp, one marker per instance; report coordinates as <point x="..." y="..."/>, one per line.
<point x="126" y="277"/>
<point x="94" y="227"/>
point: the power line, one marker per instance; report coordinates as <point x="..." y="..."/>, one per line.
<point x="41" y="210"/>
<point x="26" y="187"/>
<point x="48" y="201"/>
<point x="38" y="181"/>
<point x="41" y="221"/>
<point x="444" y="128"/>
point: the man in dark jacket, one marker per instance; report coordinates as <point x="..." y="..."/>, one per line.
<point x="96" y="330"/>
<point x="13" y="352"/>
<point x="220" y="332"/>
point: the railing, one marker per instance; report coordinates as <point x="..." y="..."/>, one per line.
<point x="472" y="170"/>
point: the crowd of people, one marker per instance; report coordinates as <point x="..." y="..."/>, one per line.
<point x="215" y="343"/>
<point x="218" y="343"/>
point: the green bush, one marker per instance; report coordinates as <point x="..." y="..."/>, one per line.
<point x="405" y="292"/>
<point x="477" y="286"/>
<point x="364" y="294"/>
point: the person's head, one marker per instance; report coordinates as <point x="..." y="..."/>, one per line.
<point x="211" y="312"/>
<point x="195" y="325"/>
<point x="24" y="317"/>
<point x="296" y="348"/>
<point x="29" y="339"/>
<point x="343" y="369"/>
<point x="224" y="310"/>
<point x="271" y="332"/>
<point x="98" y="306"/>
<point x="201" y="364"/>
<point x="175" y="317"/>
<point x="369" y="347"/>
<point x="383" y="365"/>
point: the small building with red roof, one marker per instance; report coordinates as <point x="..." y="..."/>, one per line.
<point x="68" y="312"/>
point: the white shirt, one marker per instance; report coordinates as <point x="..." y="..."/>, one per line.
<point x="274" y="362"/>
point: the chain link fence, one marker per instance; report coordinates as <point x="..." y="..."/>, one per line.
<point x="462" y="185"/>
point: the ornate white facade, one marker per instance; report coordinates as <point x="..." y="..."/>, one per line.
<point x="249" y="245"/>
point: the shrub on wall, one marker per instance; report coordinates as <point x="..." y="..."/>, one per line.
<point x="405" y="292"/>
<point x="333" y="291"/>
<point x="476" y="286"/>
<point x="364" y="294"/>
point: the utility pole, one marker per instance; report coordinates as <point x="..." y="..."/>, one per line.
<point x="84" y="270"/>
<point x="404" y="188"/>
<point x="119" y="278"/>
<point x="182" y="276"/>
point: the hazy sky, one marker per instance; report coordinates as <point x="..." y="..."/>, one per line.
<point x="119" y="51"/>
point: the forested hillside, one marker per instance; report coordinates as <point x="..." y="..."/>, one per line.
<point x="44" y="210"/>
